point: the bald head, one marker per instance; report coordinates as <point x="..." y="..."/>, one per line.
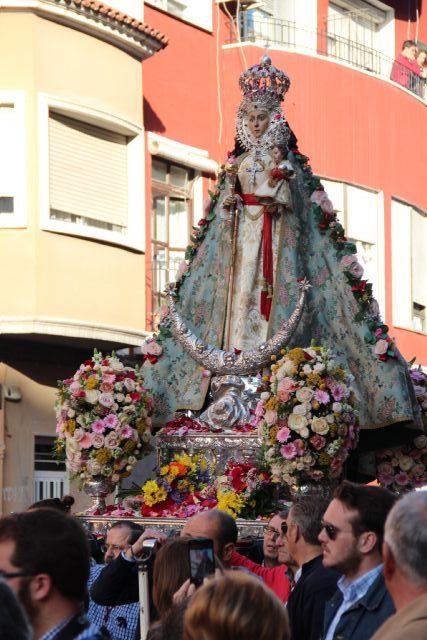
<point x="216" y="525"/>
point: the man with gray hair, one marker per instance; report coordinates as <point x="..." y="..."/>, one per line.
<point x="405" y="568"/>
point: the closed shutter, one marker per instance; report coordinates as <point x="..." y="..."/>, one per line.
<point x="401" y="266"/>
<point x="88" y="170"/>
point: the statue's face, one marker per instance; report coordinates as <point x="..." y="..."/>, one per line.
<point x="258" y="122"/>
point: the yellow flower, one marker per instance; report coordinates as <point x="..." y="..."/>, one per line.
<point x="70" y="426"/>
<point x="152" y="493"/>
<point x="314" y="379"/>
<point x="297" y="355"/>
<point x="273" y="432"/>
<point x="230" y="502"/>
<point x="272" y="403"/>
<point x="103" y="455"/>
<point x="91" y="383"/>
<point x="273" y="358"/>
<point x="324" y="459"/>
<point x="129" y="446"/>
<point x="164" y="470"/>
<point x="141" y="427"/>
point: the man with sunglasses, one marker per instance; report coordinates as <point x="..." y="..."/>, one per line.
<point x="315" y="584"/>
<point x="351" y="538"/>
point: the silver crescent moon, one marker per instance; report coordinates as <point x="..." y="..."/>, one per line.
<point x="229" y="362"/>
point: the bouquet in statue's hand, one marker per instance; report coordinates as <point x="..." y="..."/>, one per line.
<point x="275" y="190"/>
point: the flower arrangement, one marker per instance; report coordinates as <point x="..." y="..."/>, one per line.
<point x="405" y="468"/>
<point x="103" y="419"/>
<point x="245" y="490"/>
<point x="186" y="486"/>
<point x="307" y="419"/>
<point x="180" y="489"/>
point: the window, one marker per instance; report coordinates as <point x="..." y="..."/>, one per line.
<point x="358" y="30"/>
<point x="93" y="176"/>
<point x="409" y="240"/>
<point x="198" y="12"/>
<point x="50" y="477"/>
<point x="12" y="160"/>
<point x="360" y="212"/>
<point x="172" y="219"/>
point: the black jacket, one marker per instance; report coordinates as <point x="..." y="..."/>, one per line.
<point x="306" y="603"/>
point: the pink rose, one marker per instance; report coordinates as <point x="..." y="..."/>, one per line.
<point x="106" y="387"/>
<point x="111" y="440"/>
<point x="320" y="197"/>
<point x="385" y="479"/>
<point x="270" y="417"/>
<point x="97" y="440"/>
<point x="182" y="269"/>
<point x="86" y="441"/>
<point x="356" y="270"/>
<point x="318" y="442"/>
<point x="109" y="378"/>
<point x="347" y="261"/>
<point x="106" y="399"/>
<point x="283" y="395"/>
<point x="381" y="347"/>
<point x="287" y="384"/>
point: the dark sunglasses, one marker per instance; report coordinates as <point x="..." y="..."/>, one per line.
<point x="332" y="531"/>
<point x="284" y="528"/>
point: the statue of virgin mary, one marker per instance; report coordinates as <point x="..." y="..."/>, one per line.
<point x="242" y="280"/>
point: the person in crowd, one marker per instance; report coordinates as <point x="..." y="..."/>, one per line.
<point x="279" y="578"/>
<point x="60" y="504"/>
<point x="406" y="70"/>
<point x="219" y="527"/>
<point x="235" y="606"/>
<point x="315" y="584"/>
<point x="44" y="556"/>
<point x="118" y="582"/>
<point x="405" y="568"/>
<point x="351" y="537"/>
<point x="422" y="63"/>
<point x="272" y="544"/>
<point x="122" y="621"/>
<point x="13" y="621"/>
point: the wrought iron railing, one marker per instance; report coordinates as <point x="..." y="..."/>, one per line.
<point x="272" y="32"/>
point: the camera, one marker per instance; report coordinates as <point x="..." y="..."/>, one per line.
<point x="201" y="559"/>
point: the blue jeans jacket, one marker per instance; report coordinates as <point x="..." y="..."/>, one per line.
<point x="361" y="621"/>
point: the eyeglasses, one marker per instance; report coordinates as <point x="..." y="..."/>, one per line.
<point x="271" y="531"/>
<point x="332" y="531"/>
<point x="114" y="547"/>
<point x="284" y="527"/>
<point x="6" y="575"/>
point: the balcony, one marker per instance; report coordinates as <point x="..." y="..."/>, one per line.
<point x="275" y="33"/>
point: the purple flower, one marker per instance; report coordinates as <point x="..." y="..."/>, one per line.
<point x="98" y="426"/>
<point x="283" y="434"/>
<point x="321" y="396"/>
<point x="337" y="393"/>
<point x="289" y="451"/>
<point x="111" y="421"/>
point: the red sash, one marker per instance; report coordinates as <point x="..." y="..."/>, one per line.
<point x="267" y="255"/>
